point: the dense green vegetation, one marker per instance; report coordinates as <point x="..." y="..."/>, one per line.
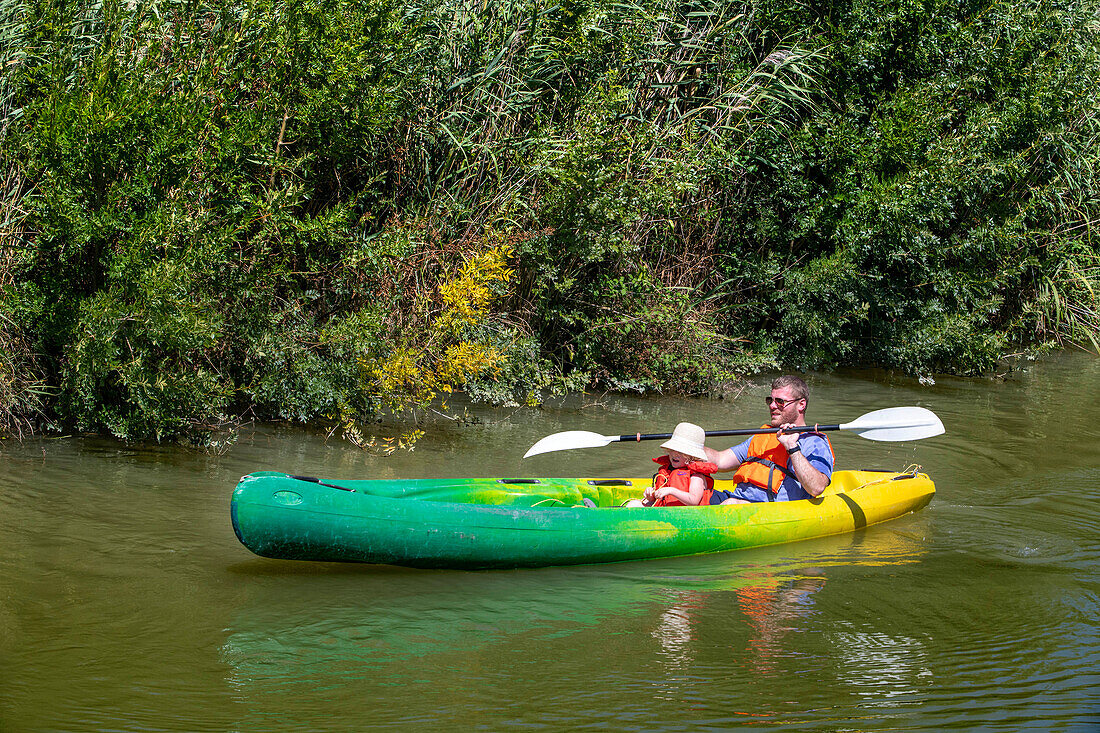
<point x="327" y="210"/>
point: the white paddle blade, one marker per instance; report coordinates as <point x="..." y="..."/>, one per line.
<point x="896" y="423"/>
<point x="569" y="440"/>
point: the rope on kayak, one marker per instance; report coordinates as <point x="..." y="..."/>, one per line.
<point x="319" y="482"/>
<point x="546" y="500"/>
<point x="910" y="471"/>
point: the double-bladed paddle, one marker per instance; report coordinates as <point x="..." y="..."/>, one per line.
<point x="892" y="424"/>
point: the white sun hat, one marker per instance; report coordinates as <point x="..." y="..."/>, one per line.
<point x="688" y="439"/>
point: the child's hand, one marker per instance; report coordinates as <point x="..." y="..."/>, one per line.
<point x="648" y="494"/>
<point x="662" y="492"/>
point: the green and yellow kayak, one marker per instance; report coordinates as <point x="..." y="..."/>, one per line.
<point x="505" y="523"/>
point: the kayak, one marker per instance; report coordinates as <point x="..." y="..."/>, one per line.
<point x="474" y="523"/>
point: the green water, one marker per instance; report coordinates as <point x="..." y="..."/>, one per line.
<point x="126" y="603"/>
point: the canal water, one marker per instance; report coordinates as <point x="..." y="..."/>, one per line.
<point x="127" y="604"/>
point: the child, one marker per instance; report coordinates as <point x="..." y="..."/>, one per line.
<point x="684" y="477"/>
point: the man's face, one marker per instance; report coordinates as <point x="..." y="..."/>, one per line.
<point x="784" y="406"/>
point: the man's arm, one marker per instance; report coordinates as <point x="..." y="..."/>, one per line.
<point x="812" y="480"/>
<point x="726" y="460"/>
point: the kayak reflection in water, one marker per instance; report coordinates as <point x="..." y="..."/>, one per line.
<point x="684" y="477"/>
<point x="771" y="607"/>
<point x="774" y="609"/>
<point x="782" y="466"/>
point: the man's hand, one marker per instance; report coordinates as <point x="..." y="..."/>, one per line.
<point x="789" y="440"/>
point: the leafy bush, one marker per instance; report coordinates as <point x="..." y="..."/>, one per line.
<point x="952" y="165"/>
<point x="213" y="210"/>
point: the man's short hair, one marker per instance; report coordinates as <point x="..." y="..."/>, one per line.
<point x="801" y="391"/>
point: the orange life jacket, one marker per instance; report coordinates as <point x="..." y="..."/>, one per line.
<point x="680" y="478"/>
<point x="768" y="461"/>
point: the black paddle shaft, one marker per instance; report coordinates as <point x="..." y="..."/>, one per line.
<point x="720" y="433"/>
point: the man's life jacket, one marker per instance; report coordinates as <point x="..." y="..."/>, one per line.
<point x="680" y="478"/>
<point x="768" y="462"/>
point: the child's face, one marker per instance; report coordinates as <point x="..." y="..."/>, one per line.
<point x="677" y="459"/>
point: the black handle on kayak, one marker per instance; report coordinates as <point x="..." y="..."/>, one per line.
<point x="721" y="433"/>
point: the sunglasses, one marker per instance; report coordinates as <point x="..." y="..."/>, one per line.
<point x="779" y="401"/>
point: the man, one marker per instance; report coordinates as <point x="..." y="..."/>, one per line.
<point x="782" y="466"/>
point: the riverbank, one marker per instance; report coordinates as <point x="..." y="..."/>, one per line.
<point x="215" y="212"/>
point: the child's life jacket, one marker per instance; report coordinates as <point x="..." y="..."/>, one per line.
<point x="680" y="478"/>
